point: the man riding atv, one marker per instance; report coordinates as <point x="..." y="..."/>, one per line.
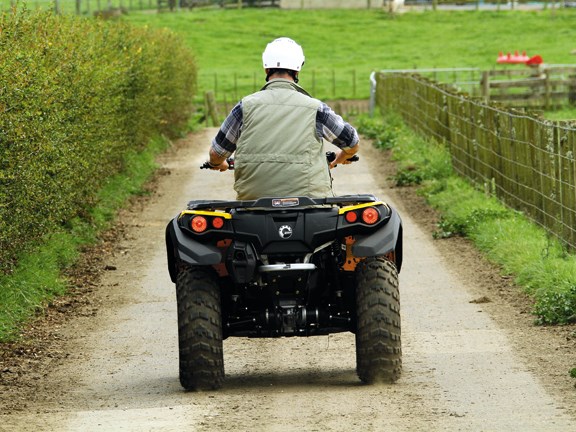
<point x="287" y="258"/>
<point x="276" y="134"/>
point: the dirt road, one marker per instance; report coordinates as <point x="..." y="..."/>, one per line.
<point x="472" y="361"/>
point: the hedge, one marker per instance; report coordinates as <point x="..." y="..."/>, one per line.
<point x="77" y="95"/>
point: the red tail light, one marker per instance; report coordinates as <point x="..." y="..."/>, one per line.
<point x="370" y="215"/>
<point x="351" y="217"/>
<point x="198" y="224"/>
<point x="217" y="222"/>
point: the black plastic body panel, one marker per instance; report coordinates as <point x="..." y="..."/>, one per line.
<point x="293" y="231"/>
<point x="308" y="229"/>
<point x="180" y="247"/>
<point x="382" y="242"/>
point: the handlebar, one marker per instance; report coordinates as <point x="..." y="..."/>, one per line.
<point x="230" y="160"/>
<point x="330" y="156"/>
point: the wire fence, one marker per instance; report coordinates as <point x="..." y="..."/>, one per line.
<point x="321" y="84"/>
<point x="527" y="162"/>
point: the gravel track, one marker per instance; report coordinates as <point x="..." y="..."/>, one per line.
<point x="472" y="361"/>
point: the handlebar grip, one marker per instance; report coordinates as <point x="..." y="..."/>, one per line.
<point x="230" y="160"/>
<point x="330" y="156"/>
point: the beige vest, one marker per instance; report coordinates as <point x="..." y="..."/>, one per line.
<point x="278" y="153"/>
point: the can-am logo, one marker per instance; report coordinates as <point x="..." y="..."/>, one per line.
<point x="285" y="202"/>
<point x="285" y="231"/>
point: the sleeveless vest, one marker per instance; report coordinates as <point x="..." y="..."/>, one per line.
<point x="279" y="153"/>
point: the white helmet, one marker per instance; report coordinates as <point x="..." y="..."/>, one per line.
<point x="283" y="53"/>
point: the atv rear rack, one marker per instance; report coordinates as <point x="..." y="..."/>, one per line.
<point x="271" y="203"/>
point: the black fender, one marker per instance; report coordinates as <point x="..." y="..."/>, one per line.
<point x="181" y="248"/>
<point x="387" y="239"/>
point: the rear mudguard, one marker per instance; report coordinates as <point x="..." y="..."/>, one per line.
<point x="386" y="240"/>
<point x="182" y="248"/>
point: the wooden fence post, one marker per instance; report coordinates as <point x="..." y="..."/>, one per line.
<point x="486" y="86"/>
<point x="212" y="109"/>
<point x="572" y="90"/>
<point x="547" y="90"/>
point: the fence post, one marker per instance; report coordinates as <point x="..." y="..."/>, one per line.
<point x="212" y="109"/>
<point x="572" y="90"/>
<point x="547" y="90"/>
<point x="486" y="86"/>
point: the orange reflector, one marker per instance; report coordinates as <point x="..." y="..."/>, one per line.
<point x="198" y="224"/>
<point x="370" y="215"/>
<point x="351" y="217"/>
<point x="217" y="222"/>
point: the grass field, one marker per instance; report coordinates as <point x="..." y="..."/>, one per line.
<point x="343" y="47"/>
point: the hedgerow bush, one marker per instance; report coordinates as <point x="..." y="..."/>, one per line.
<point x="76" y="96"/>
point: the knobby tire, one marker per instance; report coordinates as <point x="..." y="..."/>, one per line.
<point x="378" y="344"/>
<point x="199" y="329"/>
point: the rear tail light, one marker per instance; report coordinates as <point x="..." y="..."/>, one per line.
<point x="370" y="215"/>
<point x="198" y="224"/>
<point x="217" y="222"/>
<point x="351" y="217"/>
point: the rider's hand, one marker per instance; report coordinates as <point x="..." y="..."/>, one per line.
<point x="341" y="158"/>
<point x="222" y="167"/>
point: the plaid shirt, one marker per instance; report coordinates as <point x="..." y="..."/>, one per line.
<point x="329" y="126"/>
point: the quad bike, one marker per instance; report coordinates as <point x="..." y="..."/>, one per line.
<point x="286" y="266"/>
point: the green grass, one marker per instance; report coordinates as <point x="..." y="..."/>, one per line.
<point x="538" y="262"/>
<point x="38" y="277"/>
<point x="228" y="43"/>
<point x="565" y="113"/>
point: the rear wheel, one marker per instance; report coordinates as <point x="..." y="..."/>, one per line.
<point x="199" y="329"/>
<point x="378" y="345"/>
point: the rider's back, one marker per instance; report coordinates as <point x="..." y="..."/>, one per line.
<point x="279" y="152"/>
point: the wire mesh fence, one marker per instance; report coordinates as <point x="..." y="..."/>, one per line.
<point x="527" y="162"/>
<point x="323" y="84"/>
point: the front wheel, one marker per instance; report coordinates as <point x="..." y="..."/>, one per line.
<point x="199" y="329"/>
<point x="378" y="345"/>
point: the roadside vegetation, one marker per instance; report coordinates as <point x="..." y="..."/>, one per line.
<point x="81" y="102"/>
